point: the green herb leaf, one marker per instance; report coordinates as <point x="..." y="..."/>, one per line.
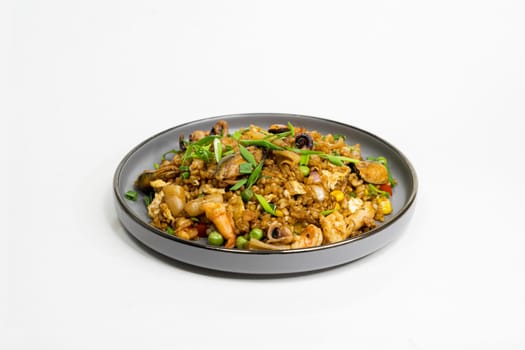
<point x="339" y="136"/>
<point x="327" y="212"/>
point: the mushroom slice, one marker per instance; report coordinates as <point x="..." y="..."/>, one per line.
<point x="304" y="141"/>
<point x="278" y="233"/>
<point x="166" y="173"/>
<point x="287" y="157"/>
<point x="255" y="244"/>
<point x="220" y="128"/>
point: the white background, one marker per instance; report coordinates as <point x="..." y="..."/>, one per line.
<point x="85" y="81"/>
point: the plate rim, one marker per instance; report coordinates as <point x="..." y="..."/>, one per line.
<point x="121" y="200"/>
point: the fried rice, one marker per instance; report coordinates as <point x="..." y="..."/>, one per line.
<point x="285" y="187"/>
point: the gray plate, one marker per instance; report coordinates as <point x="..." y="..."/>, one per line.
<point x="133" y="215"/>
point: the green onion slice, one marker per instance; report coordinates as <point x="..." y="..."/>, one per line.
<point x="254" y="176"/>
<point x="245" y="168"/>
<point x="131" y="195"/>
<point x="238" y="184"/>
<point x="261" y="143"/>
<point x="268" y="207"/>
<point x="374" y="191"/>
<point x="327" y="212"/>
<point x="247" y="155"/>
<point x="217" y="149"/>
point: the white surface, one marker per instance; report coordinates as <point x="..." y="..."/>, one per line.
<point x="86" y="81"/>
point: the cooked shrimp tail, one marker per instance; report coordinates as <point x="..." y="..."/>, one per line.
<point x="216" y="213"/>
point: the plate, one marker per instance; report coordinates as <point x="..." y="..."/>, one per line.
<point x="133" y="214"/>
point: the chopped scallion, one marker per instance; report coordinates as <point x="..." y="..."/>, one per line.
<point x="237" y="134"/>
<point x="148" y="199"/>
<point x="246" y="195"/>
<point x="292" y="129"/>
<point x="267" y="206"/>
<point x="254" y="176"/>
<point x="261" y="143"/>
<point x="238" y="184"/>
<point x="217" y="149"/>
<point x="374" y="191"/>
<point x="131" y="195"/>
<point x="305" y="159"/>
<point x="304" y="170"/>
<point x="247" y="155"/>
<point x="245" y="168"/>
<point x="327" y="212"/>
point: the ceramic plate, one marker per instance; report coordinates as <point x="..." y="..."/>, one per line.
<point x="133" y="214"/>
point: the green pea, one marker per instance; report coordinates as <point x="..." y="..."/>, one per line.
<point x="215" y="238"/>
<point x="241" y="242"/>
<point x="256" y="233"/>
<point x="304" y="170"/>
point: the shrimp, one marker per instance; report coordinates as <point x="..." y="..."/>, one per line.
<point x="312" y="236"/>
<point x="216" y="213"/>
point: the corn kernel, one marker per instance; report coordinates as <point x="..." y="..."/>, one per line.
<point x="338" y="195"/>
<point x="337" y="207"/>
<point x="384" y="205"/>
<point x="279" y="213"/>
